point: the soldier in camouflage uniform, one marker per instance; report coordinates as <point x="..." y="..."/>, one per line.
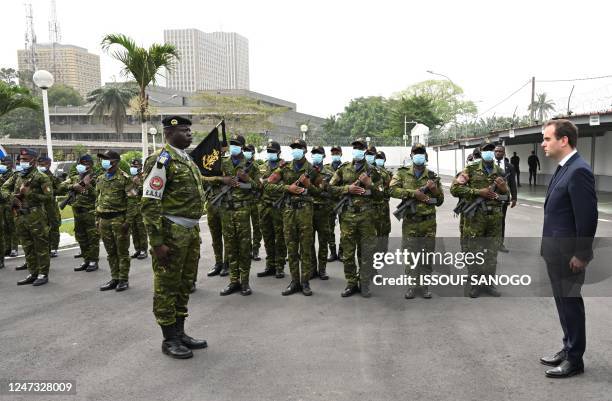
<point x="482" y="230"/>
<point x="361" y="186"/>
<point x="295" y="181"/>
<point x="213" y="218"/>
<point x="336" y="155"/>
<point x="322" y="206"/>
<point x="5" y="174"/>
<point x="271" y="218"/>
<point x="419" y="228"/>
<point x="53" y="212"/>
<point x="383" y="223"/>
<point x="249" y="156"/>
<point x="172" y="204"/>
<point x="240" y="178"/>
<point x="113" y="216"/>
<point x="29" y="191"/>
<point x="137" y="227"/>
<point x="10" y="235"/>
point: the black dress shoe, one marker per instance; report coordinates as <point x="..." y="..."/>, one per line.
<point x="255" y="255"/>
<point x="141" y="255"/>
<point x="216" y="269"/>
<point x="292" y="288"/>
<point x="13" y="253"/>
<point x="230" y="289"/>
<point x="554" y="360"/>
<point x="53" y="253"/>
<point x="134" y="255"/>
<point x="349" y="291"/>
<point x="323" y="275"/>
<point x="110" y="285"/>
<point x="122" y="285"/>
<point x="268" y="271"/>
<point x="187" y="340"/>
<point x="306" y="289"/>
<point x="245" y="290"/>
<point x="42" y="279"/>
<point x="280" y="274"/>
<point x="22" y="267"/>
<point x="78" y="255"/>
<point x="92" y="267"/>
<point x="81" y="267"/>
<point x="409" y="294"/>
<point x="565" y="369"/>
<point x="31" y="278"/>
<point x="224" y="270"/>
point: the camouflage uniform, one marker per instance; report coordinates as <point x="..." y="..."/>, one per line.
<point x="383" y="220"/>
<point x="137" y="227"/>
<point x="322" y="205"/>
<point x="53" y="212"/>
<point x="357" y="227"/>
<point x="271" y="223"/>
<point x="112" y="212"/>
<point x="4" y="209"/>
<point x="418" y="229"/>
<point x="9" y="232"/>
<point x="31" y="220"/>
<point x="333" y="166"/>
<point x="213" y="217"/>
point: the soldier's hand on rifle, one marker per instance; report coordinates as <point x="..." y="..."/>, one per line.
<point x="295" y="189"/>
<point x="305" y="181"/>
<point x="431" y="185"/>
<point x="231" y="181"/>
<point x="420" y="196"/>
<point x="87" y="179"/>
<point x="356" y="189"/>
<point x="366" y="180"/>
<point x="242" y="176"/>
<point x="501" y="184"/>
<point x="162" y="253"/>
<point x="487" y="193"/>
<point x="78" y="188"/>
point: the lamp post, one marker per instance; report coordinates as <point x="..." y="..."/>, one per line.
<point x="44" y="80"/>
<point x="153" y="132"/>
<point x="304" y="129"/>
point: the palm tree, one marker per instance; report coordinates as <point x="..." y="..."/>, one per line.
<point x="542" y="106"/>
<point x="143" y="65"/>
<point x="112" y="100"/>
<point x="13" y="97"/>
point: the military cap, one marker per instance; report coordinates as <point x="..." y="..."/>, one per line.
<point x="476" y="151"/>
<point x="110" y="155"/>
<point x="418" y="148"/>
<point x="318" y="149"/>
<point x="298" y="143"/>
<point x="487" y="146"/>
<point x="249" y="147"/>
<point x="336" y="148"/>
<point x="174" y="121"/>
<point x="237" y="139"/>
<point x="371" y="150"/>
<point x="28" y="152"/>
<point x="44" y="159"/>
<point x="360" y="142"/>
<point x="273" y="146"/>
<point x="381" y="155"/>
<point x="85" y="158"/>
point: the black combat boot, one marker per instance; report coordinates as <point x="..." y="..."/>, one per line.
<point x="172" y="344"/>
<point x="293" y="287"/>
<point x="349" y="291"/>
<point x="245" y="289"/>
<point x="268" y="271"/>
<point x="333" y="255"/>
<point x="187" y="340"/>
<point x="224" y="270"/>
<point x="323" y="274"/>
<point x="216" y="269"/>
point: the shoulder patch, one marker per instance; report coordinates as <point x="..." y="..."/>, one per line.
<point x="164" y="158"/>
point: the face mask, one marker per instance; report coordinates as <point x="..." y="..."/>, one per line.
<point x="317" y="158"/>
<point x="42" y="169"/>
<point x="380" y="162"/>
<point x="106" y="164"/>
<point x="25" y="165"/>
<point x="358" y="154"/>
<point x="248" y="155"/>
<point x="370" y="159"/>
<point x="80" y="168"/>
<point x="336" y="158"/>
<point x="418" y="160"/>
<point x="272" y="157"/>
<point x="235" y="150"/>
<point x="133" y="170"/>
<point x="488" y="155"/>
<point x="3" y="169"/>
<point x="19" y="168"/>
<point x="297" y="153"/>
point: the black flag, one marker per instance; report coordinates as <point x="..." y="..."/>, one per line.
<point x="207" y="155"/>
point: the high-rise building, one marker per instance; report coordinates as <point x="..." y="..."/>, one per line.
<point x="70" y="65"/>
<point x="208" y="61"/>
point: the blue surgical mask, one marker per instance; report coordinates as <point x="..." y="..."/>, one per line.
<point x="418" y="159"/>
<point x="42" y="169"/>
<point x="272" y="157"/>
<point x="235" y="150"/>
<point x="106" y="164"/>
<point x="317" y="158"/>
<point x="3" y="169"/>
<point x="19" y="168"/>
<point x="488" y="155"/>
<point x="24" y="165"/>
<point x="81" y="168"/>
<point x="297" y="153"/>
<point x="133" y="170"/>
<point x="358" y="154"/>
<point x="380" y="162"/>
<point x="336" y="158"/>
<point x="248" y="155"/>
<point x="370" y="159"/>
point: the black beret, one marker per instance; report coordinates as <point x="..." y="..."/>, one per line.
<point x="237" y="139"/>
<point x="360" y="142"/>
<point x="110" y="155"/>
<point x="85" y="158"/>
<point x="273" y="146"/>
<point x="28" y="152"/>
<point x="44" y="159"/>
<point x="174" y="121"/>
<point x="298" y="143"/>
<point x="318" y="149"/>
<point x="418" y="148"/>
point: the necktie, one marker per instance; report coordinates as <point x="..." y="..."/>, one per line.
<point x="552" y="180"/>
<point x="499" y="163"/>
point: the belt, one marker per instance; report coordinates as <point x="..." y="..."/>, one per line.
<point x="358" y="209"/>
<point x="110" y="215"/>
<point x="233" y="205"/>
<point x="296" y="204"/>
<point x="81" y="209"/>
<point x="417" y="219"/>
<point x="182" y="221"/>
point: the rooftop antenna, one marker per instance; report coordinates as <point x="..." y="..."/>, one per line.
<point x="55" y="35"/>
<point x="30" y="39"/>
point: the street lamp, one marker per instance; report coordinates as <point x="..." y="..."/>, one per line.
<point x="441" y="75"/>
<point x="153" y="132"/>
<point x="44" y="80"/>
<point x="304" y="129"/>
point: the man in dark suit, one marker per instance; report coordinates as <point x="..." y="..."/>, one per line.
<point x="534" y="165"/>
<point x="502" y="161"/>
<point x="570" y="222"/>
<point x="516" y="163"/>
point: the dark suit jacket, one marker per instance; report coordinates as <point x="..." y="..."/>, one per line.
<point x="570" y="212"/>
<point x="511" y="174"/>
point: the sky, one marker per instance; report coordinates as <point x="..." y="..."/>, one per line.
<point x="321" y="54"/>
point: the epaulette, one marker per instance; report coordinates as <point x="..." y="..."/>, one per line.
<point x="164" y="158"/>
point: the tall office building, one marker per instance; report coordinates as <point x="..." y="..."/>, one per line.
<point x="208" y="61"/>
<point x="70" y="65"/>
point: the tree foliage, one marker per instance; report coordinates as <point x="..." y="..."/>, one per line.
<point x="542" y="107"/>
<point x="112" y="101"/>
<point x="14" y="97"/>
<point x="64" y="95"/>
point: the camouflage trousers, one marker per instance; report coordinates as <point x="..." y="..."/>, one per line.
<point x="213" y="217"/>
<point x="172" y="283"/>
<point x="297" y="227"/>
<point x="33" y="231"/>
<point x="320" y="225"/>
<point x="419" y="237"/>
<point x="332" y="230"/>
<point x="138" y="233"/>
<point x="55" y="221"/>
<point x="255" y="224"/>
<point x="383" y="226"/>
<point x="86" y="233"/>
<point x="357" y="232"/>
<point x="117" y="244"/>
<point x="237" y="242"/>
<point x="2" y="235"/>
<point x="11" y="241"/>
<point x="484" y="232"/>
<point x="271" y="223"/>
